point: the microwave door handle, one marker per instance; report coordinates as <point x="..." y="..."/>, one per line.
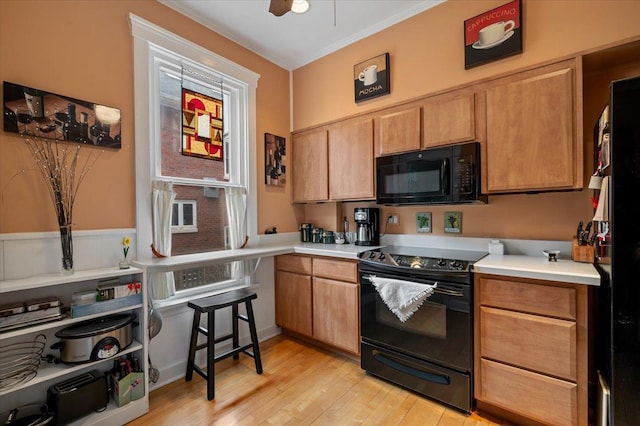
<point x="444" y="176"/>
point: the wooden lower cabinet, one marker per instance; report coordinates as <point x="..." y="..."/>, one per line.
<point x="335" y="314"/>
<point x="531" y="349"/>
<point x="318" y="297"/>
<point x="293" y="302"/>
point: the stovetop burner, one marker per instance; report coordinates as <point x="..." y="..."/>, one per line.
<point x="422" y="259"/>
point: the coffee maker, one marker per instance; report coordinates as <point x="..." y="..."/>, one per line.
<point x="367" y="226"/>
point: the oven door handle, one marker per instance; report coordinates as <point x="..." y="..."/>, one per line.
<point x="448" y="292"/>
<point x="435" y="378"/>
<point x="440" y="290"/>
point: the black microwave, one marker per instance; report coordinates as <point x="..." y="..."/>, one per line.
<point x="443" y="175"/>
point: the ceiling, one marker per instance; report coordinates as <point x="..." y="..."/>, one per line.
<point x="293" y="40"/>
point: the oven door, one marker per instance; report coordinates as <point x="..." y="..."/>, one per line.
<point x="415" y="177"/>
<point x="439" y="331"/>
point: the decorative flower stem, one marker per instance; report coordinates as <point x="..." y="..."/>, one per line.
<point x="57" y="162"/>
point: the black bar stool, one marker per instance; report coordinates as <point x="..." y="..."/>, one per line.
<point x="209" y="305"/>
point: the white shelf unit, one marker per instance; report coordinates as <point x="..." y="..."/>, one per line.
<point x="63" y="286"/>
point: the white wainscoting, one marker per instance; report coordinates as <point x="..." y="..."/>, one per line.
<point x="28" y="254"/>
<point x="168" y="350"/>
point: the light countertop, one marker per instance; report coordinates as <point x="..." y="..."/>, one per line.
<point x="538" y="267"/>
<point x="345" y="251"/>
<point x="523" y="266"/>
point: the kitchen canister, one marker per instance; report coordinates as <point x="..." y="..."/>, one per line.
<point x="305" y="232"/>
<point x="328" y="238"/>
<point x="316" y="235"/>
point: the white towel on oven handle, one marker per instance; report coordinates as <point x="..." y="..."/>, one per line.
<point x="403" y="298"/>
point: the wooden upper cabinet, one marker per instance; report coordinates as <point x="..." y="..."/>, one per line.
<point x="399" y="131"/>
<point x="534" y="131"/>
<point x="310" y="167"/>
<point x="449" y="118"/>
<point x="351" y="163"/>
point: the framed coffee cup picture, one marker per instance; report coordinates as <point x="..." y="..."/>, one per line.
<point x="493" y="35"/>
<point x="371" y="78"/>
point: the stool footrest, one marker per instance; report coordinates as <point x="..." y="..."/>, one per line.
<point x="201" y="372"/>
<point x="233" y="352"/>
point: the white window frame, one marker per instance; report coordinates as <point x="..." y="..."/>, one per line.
<point x="149" y="41"/>
<point x="181" y="228"/>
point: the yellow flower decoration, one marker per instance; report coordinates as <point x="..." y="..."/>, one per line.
<point x="126" y="241"/>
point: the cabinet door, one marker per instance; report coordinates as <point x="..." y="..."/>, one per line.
<point x="335" y="314"/>
<point x="449" y="119"/>
<point x="310" y="167"/>
<point x="532" y="139"/>
<point x="399" y="131"/>
<point x="293" y="302"/>
<point x="351" y="167"/>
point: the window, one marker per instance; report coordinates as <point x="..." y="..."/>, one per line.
<point x="164" y="66"/>
<point x="184" y="216"/>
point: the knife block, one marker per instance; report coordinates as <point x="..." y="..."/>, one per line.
<point x="584" y="253"/>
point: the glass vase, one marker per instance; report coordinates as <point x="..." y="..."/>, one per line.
<point x="66" y="241"/>
<point x="124" y="264"/>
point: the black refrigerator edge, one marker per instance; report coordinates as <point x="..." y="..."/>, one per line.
<point x="618" y="324"/>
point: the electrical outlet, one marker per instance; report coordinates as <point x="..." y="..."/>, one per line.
<point x="394" y="219"/>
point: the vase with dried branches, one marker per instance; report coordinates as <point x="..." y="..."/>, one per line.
<point x="63" y="169"/>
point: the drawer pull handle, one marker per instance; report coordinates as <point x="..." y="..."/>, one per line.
<point x="435" y="378"/>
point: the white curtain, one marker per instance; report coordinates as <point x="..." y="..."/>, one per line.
<point x="162" y="284"/>
<point x="236" y="199"/>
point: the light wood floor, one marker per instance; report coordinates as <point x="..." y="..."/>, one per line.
<point x="301" y="385"/>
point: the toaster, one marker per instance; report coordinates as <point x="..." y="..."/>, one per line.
<point x="78" y="396"/>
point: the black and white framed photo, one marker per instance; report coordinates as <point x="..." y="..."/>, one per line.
<point x="275" y="163"/>
<point x="371" y="78"/>
<point x="492" y="35"/>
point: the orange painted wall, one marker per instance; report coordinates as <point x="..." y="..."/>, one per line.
<point x="427" y="55"/>
<point x="83" y="49"/>
<point x="427" y="52"/>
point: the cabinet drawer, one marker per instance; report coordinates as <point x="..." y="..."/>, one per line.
<point x="539" y="299"/>
<point x="547" y="345"/>
<point x="337" y="269"/>
<point x="542" y="398"/>
<point x="294" y="263"/>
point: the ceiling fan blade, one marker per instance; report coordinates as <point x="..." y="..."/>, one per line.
<point x="280" y="7"/>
